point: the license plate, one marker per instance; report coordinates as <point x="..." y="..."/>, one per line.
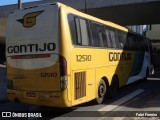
<point x="30" y="94"/>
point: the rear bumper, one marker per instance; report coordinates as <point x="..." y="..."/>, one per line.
<point x="53" y="99"/>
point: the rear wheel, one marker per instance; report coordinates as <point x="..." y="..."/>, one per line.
<point x="113" y="89"/>
<point x="101" y="92"/>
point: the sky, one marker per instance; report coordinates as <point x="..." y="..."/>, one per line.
<point x="8" y="2"/>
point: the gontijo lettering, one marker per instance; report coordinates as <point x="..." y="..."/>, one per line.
<point x="116" y="56"/>
<point x="31" y="48"/>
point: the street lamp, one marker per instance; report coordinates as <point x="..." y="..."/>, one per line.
<point x="19" y="4"/>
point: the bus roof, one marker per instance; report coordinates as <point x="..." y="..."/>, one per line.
<point x="78" y="13"/>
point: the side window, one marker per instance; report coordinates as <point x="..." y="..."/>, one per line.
<point x="138" y="43"/>
<point x="73" y="29"/>
<point x="144" y="44"/>
<point x="104" y="36"/>
<point x="130" y="42"/>
<point x="109" y="41"/>
<point x="122" y="36"/>
<point x="88" y="33"/>
<point x="111" y="37"/>
<point x="79" y="30"/>
<point x="84" y="32"/>
<point x="98" y="35"/>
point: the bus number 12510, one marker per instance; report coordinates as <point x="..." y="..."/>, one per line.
<point x="83" y="58"/>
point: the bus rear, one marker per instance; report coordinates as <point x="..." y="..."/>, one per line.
<point x="36" y="73"/>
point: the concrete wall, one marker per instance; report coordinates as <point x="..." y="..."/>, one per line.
<point x="154" y="33"/>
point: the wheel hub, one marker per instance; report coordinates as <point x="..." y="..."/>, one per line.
<point x="101" y="90"/>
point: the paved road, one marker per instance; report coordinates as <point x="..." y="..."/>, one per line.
<point x="132" y="101"/>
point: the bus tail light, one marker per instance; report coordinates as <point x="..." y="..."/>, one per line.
<point x="63" y="72"/>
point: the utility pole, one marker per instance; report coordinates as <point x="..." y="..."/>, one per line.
<point x="85" y="6"/>
<point x="19" y="4"/>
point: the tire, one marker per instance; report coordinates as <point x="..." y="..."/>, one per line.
<point x="114" y="87"/>
<point x="101" y="92"/>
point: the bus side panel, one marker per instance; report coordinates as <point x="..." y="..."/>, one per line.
<point x="120" y="64"/>
<point x="65" y="47"/>
<point x="101" y="72"/>
<point x="91" y="84"/>
<point x="126" y="69"/>
<point x="105" y="62"/>
<point x="84" y="62"/>
<point x="139" y="67"/>
<point x="137" y="64"/>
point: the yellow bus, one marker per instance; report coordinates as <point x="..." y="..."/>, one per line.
<point x="58" y="56"/>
